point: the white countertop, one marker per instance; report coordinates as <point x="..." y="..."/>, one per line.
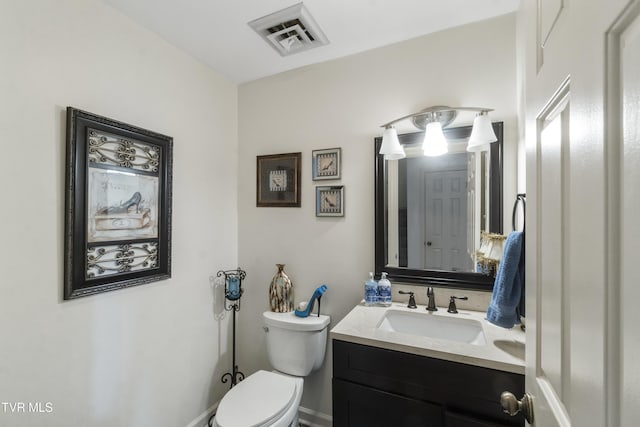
<point x="503" y="351"/>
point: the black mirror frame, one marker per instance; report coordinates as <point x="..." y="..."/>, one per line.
<point x="451" y="279"/>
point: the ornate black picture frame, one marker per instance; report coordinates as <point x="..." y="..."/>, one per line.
<point x="117" y="205"/>
<point x="278" y="180"/>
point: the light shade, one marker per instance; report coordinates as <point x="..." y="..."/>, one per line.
<point x="391" y="147"/>
<point x="482" y="133"/>
<point x="434" y="142"/>
<point x="496" y="248"/>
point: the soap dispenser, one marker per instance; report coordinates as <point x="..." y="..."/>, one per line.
<point x="370" y="291"/>
<point x="384" y="291"/>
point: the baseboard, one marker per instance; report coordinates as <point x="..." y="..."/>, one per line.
<point x="201" y="420"/>
<point x="311" y="418"/>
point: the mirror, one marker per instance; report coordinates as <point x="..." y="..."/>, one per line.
<point x="430" y="211"/>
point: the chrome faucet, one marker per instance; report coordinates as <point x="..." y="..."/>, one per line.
<point x="431" y="305"/>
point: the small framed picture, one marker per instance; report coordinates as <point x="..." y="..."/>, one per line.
<point x="330" y="201"/>
<point x="278" y="177"/>
<point x="326" y="164"/>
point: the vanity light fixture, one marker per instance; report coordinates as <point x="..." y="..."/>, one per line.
<point x="433" y="120"/>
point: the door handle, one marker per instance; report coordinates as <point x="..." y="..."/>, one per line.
<point x="428" y="243"/>
<point x="513" y="406"/>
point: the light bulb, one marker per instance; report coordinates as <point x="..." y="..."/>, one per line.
<point x="434" y="142"/>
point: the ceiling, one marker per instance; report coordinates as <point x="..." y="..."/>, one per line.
<point x="216" y="31"/>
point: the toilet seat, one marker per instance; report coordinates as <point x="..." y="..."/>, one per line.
<point x="259" y="400"/>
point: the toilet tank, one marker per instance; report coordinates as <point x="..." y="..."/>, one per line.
<point x="295" y="345"/>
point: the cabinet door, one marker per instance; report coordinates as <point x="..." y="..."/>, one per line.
<point x="357" y="406"/>
<point x="458" y="387"/>
<point x="458" y="420"/>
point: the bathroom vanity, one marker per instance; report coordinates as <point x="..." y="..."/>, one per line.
<point x="401" y="367"/>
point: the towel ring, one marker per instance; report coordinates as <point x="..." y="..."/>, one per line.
<point x="521" y="197"/>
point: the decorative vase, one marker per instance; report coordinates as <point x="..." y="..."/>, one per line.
<point x="281" y="292"/>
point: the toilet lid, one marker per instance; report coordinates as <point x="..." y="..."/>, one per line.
<point x="257" y="400"/>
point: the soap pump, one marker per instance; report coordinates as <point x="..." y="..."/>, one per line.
<point x="384" y="291"/>
<point x="370" y="291"/>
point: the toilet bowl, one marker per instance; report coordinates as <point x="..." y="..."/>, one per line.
<point x="296" y="347"/>
<point x="262" y="399"/>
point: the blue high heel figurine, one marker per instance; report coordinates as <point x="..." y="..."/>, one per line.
<point x="317" y="294"/>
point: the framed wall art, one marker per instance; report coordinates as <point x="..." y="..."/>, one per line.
<point x="326" y="164"/>
<point x="330" y="200"/>
<point x="118" y="205"/>
<point x="278" y="177"/>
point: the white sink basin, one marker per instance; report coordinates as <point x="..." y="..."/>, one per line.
<point x="442" y="327"/>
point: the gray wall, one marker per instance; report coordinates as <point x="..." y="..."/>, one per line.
<point x="145" y="356"/>
<point x="342" y="103"/>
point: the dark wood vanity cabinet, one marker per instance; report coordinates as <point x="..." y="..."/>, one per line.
<point x="377" y="387"/>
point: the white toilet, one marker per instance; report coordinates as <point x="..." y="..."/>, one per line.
<point x="296" y="347"/>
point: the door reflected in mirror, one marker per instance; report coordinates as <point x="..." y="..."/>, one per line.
<point x="437" y="206"/>
<point x="431" y="211"/>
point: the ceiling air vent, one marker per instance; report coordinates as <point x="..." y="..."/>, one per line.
<point x="290" y="30"/>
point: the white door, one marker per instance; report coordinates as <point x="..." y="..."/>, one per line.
<point x="445" y="228"/>
<point x="625" y="42"/>
<point x="582" y="133"/>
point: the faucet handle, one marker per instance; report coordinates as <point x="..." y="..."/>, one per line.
<point x="429" y="291"/>
<point x="412" y="300"/>
<point x="452" y="303"/>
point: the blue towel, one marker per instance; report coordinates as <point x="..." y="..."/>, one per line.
<point x="503" y="310"/>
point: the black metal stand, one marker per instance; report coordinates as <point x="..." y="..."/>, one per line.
<point x="232" y="293"/>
